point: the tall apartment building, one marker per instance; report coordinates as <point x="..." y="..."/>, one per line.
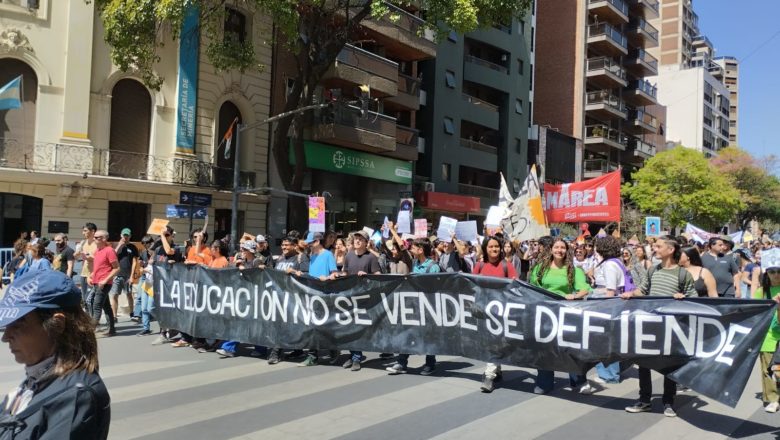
<point x="476" y="118"/>
<point x="730" y="71"/>
<point x="362" y="162"/>
<point x="591" y="70"/>
<point x="94" y="144"/>
<point x="678" y="26"/>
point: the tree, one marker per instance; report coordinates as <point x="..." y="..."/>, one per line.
<point x="760" y="190"/>
<point x="314" y="30"/>
<point x="681" y="186"/>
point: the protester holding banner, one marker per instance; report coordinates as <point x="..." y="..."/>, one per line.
<point x="770" y="289"/>
<point x="611" y="279"/>
<point x="556" y="273"/>
<point x="666" y="279"/>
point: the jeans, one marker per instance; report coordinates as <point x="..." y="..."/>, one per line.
<point x="610" y="373"/>
<point x="545" y="379"/>
<point x="100" y="304"/>
<point x="357" y="356"/>
<point x="86" y="295"/>
<point x="430" y="360"/>
<point x="146" y="309"/>
<point x="139" y="292"/>
<point x="646" y="388"/>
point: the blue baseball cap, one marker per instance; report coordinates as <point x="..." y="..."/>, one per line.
<point x="311" y="237"/>
<point x="37" y="289"/>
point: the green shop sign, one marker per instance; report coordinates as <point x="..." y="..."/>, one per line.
<point x="343" y="160"/>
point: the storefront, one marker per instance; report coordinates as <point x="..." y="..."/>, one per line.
<point x="433" y="205"/>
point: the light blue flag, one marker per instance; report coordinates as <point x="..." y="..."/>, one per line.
<point x="10" y="94"/>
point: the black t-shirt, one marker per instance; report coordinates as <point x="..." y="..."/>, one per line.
<point x="161" y="257"/>
<point x="292" y="262"/>
<point x="61" y="259"/>
<point x="354" y="263"/>
<point x="125" y="256"/>
<point x="723" y="270"/>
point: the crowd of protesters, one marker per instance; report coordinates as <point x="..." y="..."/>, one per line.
<point x="575" y="269"/>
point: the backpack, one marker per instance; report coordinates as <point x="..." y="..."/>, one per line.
<point x="681" y="276"/>
<point x="481" y="264"/>
<point x="629" y="285"/>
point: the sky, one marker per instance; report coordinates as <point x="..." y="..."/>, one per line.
<point x="749" y="30"/>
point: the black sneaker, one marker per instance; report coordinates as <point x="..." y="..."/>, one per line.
<point x="427" y="370"/>
<point x="487" y="385"/>
<point x="273" y="358"/>
<point x="385" y="355"/>
<point x="639" y="407"/>
<point x="144" y="333"/>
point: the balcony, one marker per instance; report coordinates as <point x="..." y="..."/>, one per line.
<point x="613" y="11"/>
<point x="596" y="168"/>
<point x="479" y="146"/>
<point x="355" y="66"/>
<point x="406" y="142"/>
<point x="641" y="93"/>
<point x="641" y="63"/>
<point x="645" y="8"/>
<point x="607" y="40"/>
<point x="477" y="191"/>
<point x="642" y="34"/>
<point x="485" y="63"/>
<point x="606" y="73"/>
<point x="408" y="97"/>
<point x="374" y="132"/>
<point x="640" y="151"/>
<point x="601" y="138"/>
<point x="479" y="102"/>
<point x="640" y="122"/>
<point x="79" y="160"/>
<point x="402" y="34"/>
<point x="604" y="105"/>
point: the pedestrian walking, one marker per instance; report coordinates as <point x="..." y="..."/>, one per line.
<point x="105" y="268"/>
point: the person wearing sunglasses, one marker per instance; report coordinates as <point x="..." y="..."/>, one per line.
<point x="770" y="289"/>
<point x="105" y="267"/>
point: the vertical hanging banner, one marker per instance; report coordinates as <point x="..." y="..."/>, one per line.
<point x="189" y="47"/>
<point x="317" y="214"/>
<point x="590" y="200"/>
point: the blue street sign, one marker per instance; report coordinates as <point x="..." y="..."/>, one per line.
<point x="193" y="198"/>
<point x="183" y="211"/>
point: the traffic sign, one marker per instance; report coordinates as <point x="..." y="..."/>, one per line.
<point x="195" y="199"/>
<point x="183" y="211"/>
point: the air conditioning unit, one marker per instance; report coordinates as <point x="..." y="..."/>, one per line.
<point x="429" y="187"/>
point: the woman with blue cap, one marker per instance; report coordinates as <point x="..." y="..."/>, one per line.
<point x="62" y="395"/>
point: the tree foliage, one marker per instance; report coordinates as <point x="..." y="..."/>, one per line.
<point x="315" y="31"/>
<point x="681" y="186"/>
<point x="760" y="191"/>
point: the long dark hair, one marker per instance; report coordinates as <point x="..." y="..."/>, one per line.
<point x="75" y="345"/>
<point x="547" y="260"/>
<point x="693" y="254"/>
<point x="485" y="246"/>
<point x="766" y="284"/>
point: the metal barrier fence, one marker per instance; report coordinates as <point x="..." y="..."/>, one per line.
<point x="5" y="255"/>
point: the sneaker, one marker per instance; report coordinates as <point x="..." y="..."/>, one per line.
<point x="772" y="407"/>
<point x="334" y="356"/>
<point x="144" y="333"/>
<point x="396" y="369"/>
<point x="273" y="358"/>
<point x="487" y="385"/>
<point x="639" y="407"/>
<point x="587" y="389"/>
<point x="160" y="340"/>
<point x="310" y="361"/>
<point x="427" y="370"/>
<point x="107" y="334"/>
<point x="385" y="355"/>
<point x="599" y="380"/>
<point x="180" y="343"/>
<point x="136" y="319"/>
<point x="669" y="411"/>
<point x="347" y="364"/>
<point x="226" y="354"/>
<point x="539" y="390"/>
<point x="355" y="366"/>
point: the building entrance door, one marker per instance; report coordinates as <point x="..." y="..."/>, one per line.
<point x="18" y="213"/>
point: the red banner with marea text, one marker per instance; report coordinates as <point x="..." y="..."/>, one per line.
<point x="590" y="200"/>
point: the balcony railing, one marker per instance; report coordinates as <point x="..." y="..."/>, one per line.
<point x="406" y="135"/>
<point x="620" y="5"/>
<point x="408" y="84"/>
<point x="641" y="23"/>
<point x="645" y="86"/>
<point x="479" y="146"/>
<point x="643" y="117"/>
<point x="642" y="147"/>
<point x="477" y="191"/>
<point x="597" y="166"/>
<point x="606" y="64"/>
<point x="77" y="159"/>
<point x="372" y="121"/>
<point x="645" y="57"/>
<point x="476" y="101"/>
<point x="368" y="61"/>
<point x="596" y="30"/>
<point x="404" y="19"/>
<point x="603" y="131"/>
<point x="486" y="63"/>
<point x="606" y="98"/>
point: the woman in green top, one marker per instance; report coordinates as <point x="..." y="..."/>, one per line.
<point x="770" y="283"/>
<point x="556" y="272"/>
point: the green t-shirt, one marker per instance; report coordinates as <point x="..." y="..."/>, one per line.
<point x="557" y="281"/>
<point x="773" y="335"/>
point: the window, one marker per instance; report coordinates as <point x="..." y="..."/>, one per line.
<point x="449" y="126"/>
<point x="449" y="76"/>
<point x="235" y="26"/>
<point x="453" y="36"/>
<point x="520" y="66"/>
<point x="531" y="76"/>
<point x="532" y="38"/>
<point x="519" y="146"/>
<point x="519" y="106"/>
<point x="530" y="112"/>
<point x="445" y="172"/>
<point x="521" y="23"/>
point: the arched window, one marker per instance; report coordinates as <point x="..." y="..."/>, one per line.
<point x="131" y="124"/>
<point x="17" y="126"/>
<point x="228" y="113"/>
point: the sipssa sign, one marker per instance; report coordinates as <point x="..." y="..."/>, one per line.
<point x="590" y="200"/>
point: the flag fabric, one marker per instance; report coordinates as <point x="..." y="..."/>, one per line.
<point x="504" y="196"/>
<point x="698" y="234"/>
<point x="227" y="139"/>
<point x="11" y="94"/>
<point x="526" y="220"/>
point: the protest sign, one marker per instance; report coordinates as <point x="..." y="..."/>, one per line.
<point x="446" y="229"/>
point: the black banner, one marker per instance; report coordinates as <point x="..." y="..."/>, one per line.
<point x="709" y="345"/>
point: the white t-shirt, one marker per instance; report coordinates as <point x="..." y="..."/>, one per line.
<point x="609" y="276"/>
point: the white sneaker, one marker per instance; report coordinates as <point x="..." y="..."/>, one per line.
<point x="587" y="389"/>
<point x="772" y="407"/>
<point x="599" y="380"/>
<point x="538" y="390"/>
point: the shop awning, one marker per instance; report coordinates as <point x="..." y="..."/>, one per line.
<point x="448" y="202"/>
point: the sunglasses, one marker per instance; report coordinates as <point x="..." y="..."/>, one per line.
<point x="100" y="237"/>
<point x="773" y="271"/>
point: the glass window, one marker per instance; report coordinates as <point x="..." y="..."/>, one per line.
<point x="520" y="66"/>
<point x="449" y="76"/>
<point x="235" y="26"/>
<point x="449" y="126"/>
<point x="445" y="172"/>
<point x="519" y="106"/>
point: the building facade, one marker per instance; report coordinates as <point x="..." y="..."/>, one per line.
<point x="592" y="69"/>
<point x="678" y="26"/>
<point x="94" y="144"/>
<point x="476" y="119"/>
<point x="729" y="67"/>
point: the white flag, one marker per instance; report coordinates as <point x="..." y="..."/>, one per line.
<point x="527" y="220"/>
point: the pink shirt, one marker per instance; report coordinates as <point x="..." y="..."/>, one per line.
<point x="102" y="264"/>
